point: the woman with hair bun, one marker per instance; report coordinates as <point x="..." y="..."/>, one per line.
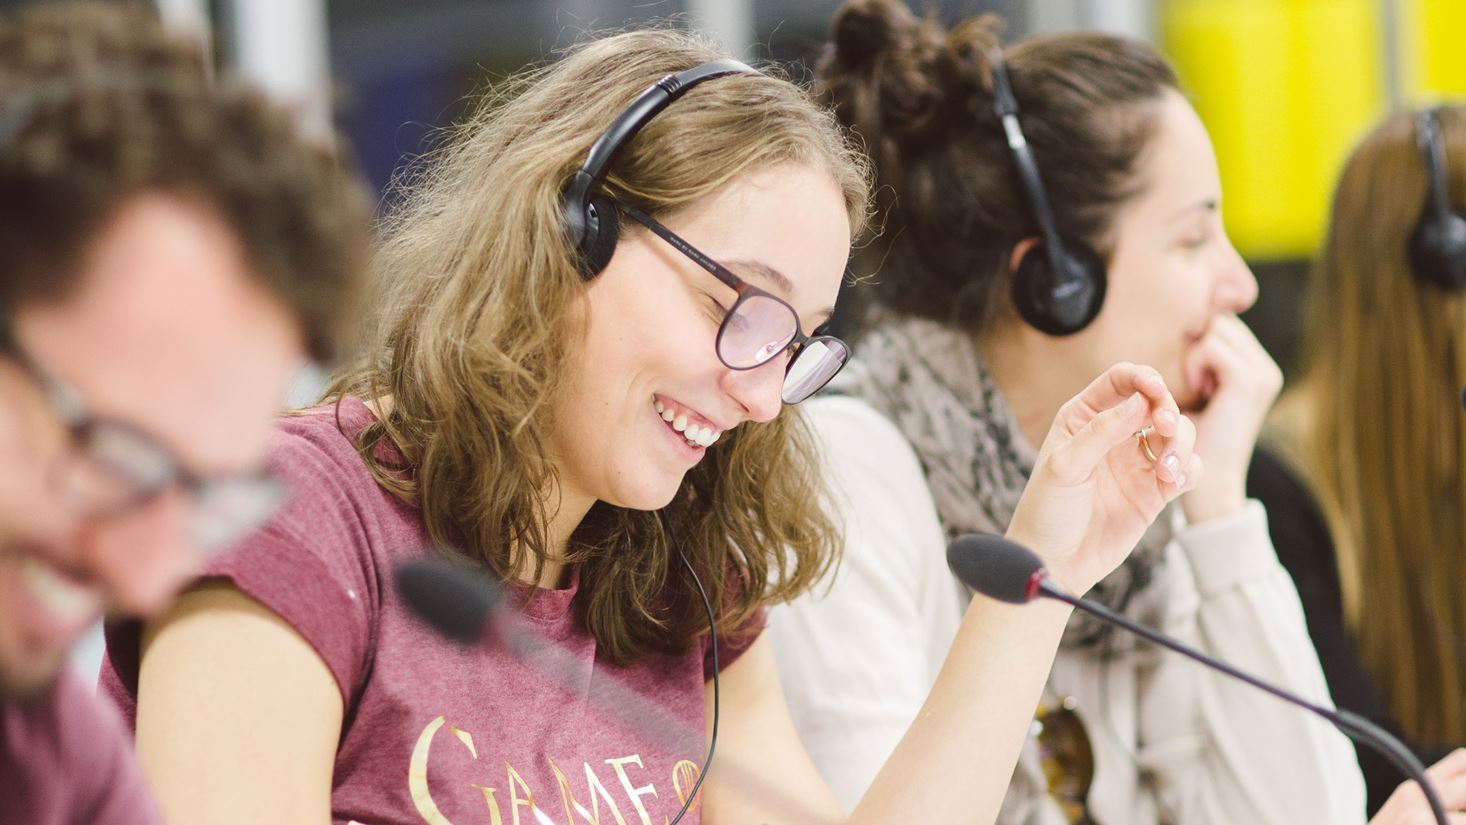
<point x="597" y="300"/>
<point x="982" y="318"/>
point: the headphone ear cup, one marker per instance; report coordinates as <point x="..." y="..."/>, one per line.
<point x="1056" y="303"/>
<point x="1438" y="250"/>
<point x="602" y="229"/>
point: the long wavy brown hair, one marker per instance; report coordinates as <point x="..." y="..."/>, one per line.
<point x="477" y="289"/>
<point x="1375" y="425"/>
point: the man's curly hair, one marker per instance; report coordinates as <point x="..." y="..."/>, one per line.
<point x="99" y="104"/>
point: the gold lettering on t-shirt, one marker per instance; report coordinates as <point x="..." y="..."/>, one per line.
<point x="417" y="776"/>
<point x="634" y="793"/>
<point x="597" y="792"/>
<point x="515" y="800"/>
<point x="684" y="776"/>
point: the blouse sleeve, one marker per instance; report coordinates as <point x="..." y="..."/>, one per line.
<point x="858" y="655"/>
<point x="1222" y="750"/>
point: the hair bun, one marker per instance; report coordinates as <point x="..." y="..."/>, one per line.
<point x="865" y="29"/>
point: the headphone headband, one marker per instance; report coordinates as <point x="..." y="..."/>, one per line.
<point x="1433" y="149"/>
<point x="1005" y="106"/>
<point x="1438" y="244"/>
<point x="647" y="105"/>
<point x="1060" y="289"/>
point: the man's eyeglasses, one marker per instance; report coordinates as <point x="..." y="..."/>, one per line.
<point x="761" y="326"/>
<point x="115" y="467"/>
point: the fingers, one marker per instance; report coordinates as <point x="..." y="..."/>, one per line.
<point x="1408" y="806"/>
<point x="1071" y="462"/>
<point x="1448" y="776"/>
<point x="1177" y="462"/>
<point x="1230" y="355"/>
<point x="1114" y="386"/>
<point x="1177" y="466"/>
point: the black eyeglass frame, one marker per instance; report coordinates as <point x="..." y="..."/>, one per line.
<point x="81" y="427"/>
<point x="797" y="342"/>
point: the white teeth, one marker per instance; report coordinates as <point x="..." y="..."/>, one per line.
<point x="661" y="406"/>
<point x="668" y="415"/>
<point x="692" y="432"/>
<point x="66" y="600"/>
<point x="679" y="423"/>
<point x="706" y="438"/>
<point x="717" y="434"/>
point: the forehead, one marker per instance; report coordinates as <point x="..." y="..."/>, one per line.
<point x="785" y="229"/>
<point x="169" y="331"/>
<point x="1178" y="164"/>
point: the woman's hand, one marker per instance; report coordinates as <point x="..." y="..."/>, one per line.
<point x="1093" y="490"/>
<point x="1238" y="382"/>
<point x="1407" y="805"/>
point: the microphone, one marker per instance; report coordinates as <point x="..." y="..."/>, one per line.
<point x="451" y="598"/>
<point x="1009" y="572"/>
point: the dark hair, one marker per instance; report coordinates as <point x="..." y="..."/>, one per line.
<point x="101" y="104"/>
<point x="920" y="96"/>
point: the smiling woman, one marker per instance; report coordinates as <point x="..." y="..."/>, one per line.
<point x="543" y="377"/>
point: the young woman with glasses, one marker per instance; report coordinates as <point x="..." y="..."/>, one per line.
<point x="598" y="302"/>
<point x="989" y="160"/>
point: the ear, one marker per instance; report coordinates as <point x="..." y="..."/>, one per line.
<point x="1020" y="249"/>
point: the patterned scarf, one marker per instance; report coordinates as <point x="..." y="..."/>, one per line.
<point x="930" y="382"/>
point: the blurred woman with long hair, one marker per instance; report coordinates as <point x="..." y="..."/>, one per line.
<point x="1368" y="505"/>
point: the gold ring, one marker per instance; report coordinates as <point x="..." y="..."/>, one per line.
<point x="1140" y="435"/>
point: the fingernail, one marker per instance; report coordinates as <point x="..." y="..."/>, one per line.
<point x="1172" y="465"/>
<point x="1181" y="480"/>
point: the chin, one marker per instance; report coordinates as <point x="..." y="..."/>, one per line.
<point x="650" y="494"/>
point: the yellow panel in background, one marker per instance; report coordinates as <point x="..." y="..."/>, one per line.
<point x="1432" y="46"/>
<point x="1286" y="87"/>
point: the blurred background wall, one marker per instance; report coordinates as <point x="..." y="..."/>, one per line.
<point x="1285" y="86"/>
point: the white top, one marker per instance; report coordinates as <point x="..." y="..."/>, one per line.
<point x="858" y="659"/>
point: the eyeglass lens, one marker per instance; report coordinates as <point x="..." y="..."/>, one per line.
<point x="759" y="327"/>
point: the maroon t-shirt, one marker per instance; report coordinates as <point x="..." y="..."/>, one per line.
<point x="65" y="759"/>
<point x="435" y="732"/>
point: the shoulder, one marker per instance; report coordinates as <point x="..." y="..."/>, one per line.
<point x="859" y="445"/>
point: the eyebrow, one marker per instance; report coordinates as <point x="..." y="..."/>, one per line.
<point x="779" y="280"/>
<point x="1208" y="205"/>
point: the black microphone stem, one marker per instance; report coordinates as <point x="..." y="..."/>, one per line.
<point x="1353" y="725"/>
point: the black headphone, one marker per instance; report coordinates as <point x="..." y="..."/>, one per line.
<point x="590" y="216"/>
<point x="1060" y="291"/>
<point x="1438" y="244"/>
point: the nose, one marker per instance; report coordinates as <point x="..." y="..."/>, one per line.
<point x="759" y="390"/>
<point x="1236" y="287"/>
<point x="143" y="556"/>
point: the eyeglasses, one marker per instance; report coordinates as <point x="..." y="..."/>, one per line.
<point x="760" y="326"/>
<point x="1067" y="758"/>
<point x="115" y="467"/>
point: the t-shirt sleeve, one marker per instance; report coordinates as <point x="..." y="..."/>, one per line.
<point x="312" y="564"/>
<point x="732" y="646"/>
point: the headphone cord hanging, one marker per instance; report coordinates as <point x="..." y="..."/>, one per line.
<point x="713" y="637"/>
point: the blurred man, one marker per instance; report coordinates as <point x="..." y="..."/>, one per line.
<point x="170" y="254"/>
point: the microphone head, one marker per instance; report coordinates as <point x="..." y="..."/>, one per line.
<point x="451" y="598"/>
<point x="996" y="567"/>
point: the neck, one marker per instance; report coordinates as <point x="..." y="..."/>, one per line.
<point x="567" y="510"/>
<point x="1033" y="381"/>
